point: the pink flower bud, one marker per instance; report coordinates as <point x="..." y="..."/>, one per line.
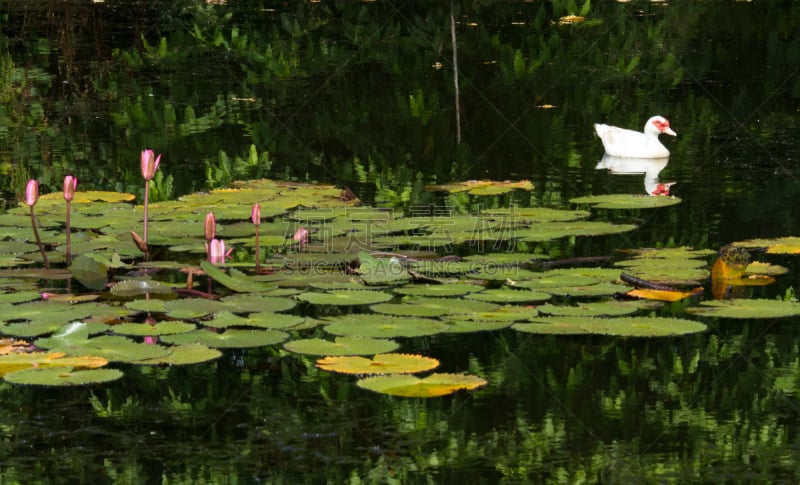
<point x="32" y="192"/>
<point x="255" y="214"/>
<point x="70" y="185"/>
<point x="210" y="226"/>
<point x="301" y="236"/>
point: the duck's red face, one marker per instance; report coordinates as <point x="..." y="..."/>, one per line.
<point x="662" y="125"/>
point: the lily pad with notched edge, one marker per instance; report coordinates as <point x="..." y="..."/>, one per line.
<point x="607" y="308"/>
<point x="64" y="376"/>
<point x="547" y="231"/>
<point x="443" y="290"/>
<point x="435" y="385"/>
<point x="346" y="345"/>
<point x="746" y="308"/>
<point x="508" y="295"/>
<point x="779" y="245"/>
<point x="380" y="364"/>
<point x="622" y="326"/>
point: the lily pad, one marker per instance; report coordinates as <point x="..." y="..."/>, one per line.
<point x="626" y="201"/>
<point x="345" y="297"/>
<point x="235" y="281"/>
<point x="380" y="364"/>
<point x="508" y="295"/>
<point x="346" y="345"/>
<point x="434" y="385"/>
<point x="145" y="329"/>
<point x="443" y="290"/>
<point x="780" y="245"/>
<point x="607" y="308"/>
<point x="112" y="347"/>
<point x="746" y="308"/>
<point x="482" y="187"/>
<point x="229" y="339"/>
<point x="547" y="231"/>
<point x="623" y="326"/>
<point x="131" y="288"/>
<point x="62" y="376"/>
<point x="18" y="361"/>
<point x="383" y="326"/>
<point x="187" y="354"/>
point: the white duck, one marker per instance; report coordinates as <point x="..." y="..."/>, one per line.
<point x="620" y="142"/>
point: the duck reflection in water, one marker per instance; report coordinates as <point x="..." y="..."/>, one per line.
<point x="650" y="167"/>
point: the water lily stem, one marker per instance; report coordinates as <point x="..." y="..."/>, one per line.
<point x="258" y="258"/>
<point x="39" y="240"/>
<point x="146" y="199"/>
<point x="69" y="233"/>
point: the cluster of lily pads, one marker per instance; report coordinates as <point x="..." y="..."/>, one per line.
<point x="356" y="280"/>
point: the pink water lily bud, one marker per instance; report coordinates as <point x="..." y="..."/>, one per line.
<point x="32" y="192"/>
<point x="255" y="214"/>
<point x="151" y="339"/>
<point x="217" y="254"/>
<point x="210" y="226"/>
<point x="149" y="164"/>
<point x="301" y="236"/>
<point x="70" y="185"/>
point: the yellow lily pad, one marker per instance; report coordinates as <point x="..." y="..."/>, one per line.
<point x="435" y="385"/>
<point x="380" y="364"/>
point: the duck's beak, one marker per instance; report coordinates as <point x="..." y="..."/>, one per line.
<point x="669" y="131"/>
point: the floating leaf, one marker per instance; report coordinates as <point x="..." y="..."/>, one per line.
<point x="443" y="290"/>
<point x="15" y="362"/>
<point x="232" y="338"/>
<point x="607" y="308"/>
<point x="482" y="187"/>
<point x="623" y="326"/>
<point x="346" y="345"/>
<point x="508" y="295"/>
<point x="112" y="347"/>
<point x="781" y="245"/>
<point x="530" y="215"/>
<point x="626" y="201"/>
<point x="383" y="326"/>
<point x="462" y="324"/>
<point x="236" y="281"/>
<point x="258" y="303"/>
<point x="554" y="230"/>
<point x="759" y="268"/>
<point x="663" y="295"/>
<point x="130" y="288"/>
<point x="382" y="271"/>
<point x="434" y="385"/>
<point x="65" y="376"/>
<point x="145" y="329"/>
<point x="345" y="297"/>
<point x="380" y="364"/>
<point x="90" y="272"/>
<point x="746" y="308"/>
<point x="186" y="354"/>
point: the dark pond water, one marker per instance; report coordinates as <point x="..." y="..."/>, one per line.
<point x="360" y="94"/>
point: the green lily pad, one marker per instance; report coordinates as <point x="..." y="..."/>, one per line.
<point x="382" y="271"/>
<point x="193" y="308"/>
<point x="508" y="295"/>
<point x="607" y="308"/>
<point x="435" y="306"/>
<point x="229" y="339"/>
<point x="746" y="308"/>
<point x="131" y="288"/>
<point x="435" y="385"/>
<point x="406" y="309"/>
<point x="383" y="326"/>
<point x="145" y="329"/>
<point x="626" y="201"/>
<point x="112" y="347"/>
<point x="530" y="215"/>
<point x="55" y="376"/>
<point x="345" y="345"/>
<point x="258" y="303"/>
<point x="345" y="297"/>
<point x="779" y="245"/>
<point x="623" y="326"/>
<point x="547" y="231"/>
<point x="152" y="305"/>
<point x="599" y="289"/>
<point x="235" y="281"/>
<point x="380" y="364"/>
<point x="187" y="354"/>
<point x="461" y="324"/>
<point x="227" y="319"/>
<point x="443" y="290"/>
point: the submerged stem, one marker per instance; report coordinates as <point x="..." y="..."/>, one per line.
<point x="38" y="240"/>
